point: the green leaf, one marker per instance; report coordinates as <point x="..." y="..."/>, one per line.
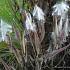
<point x="5" y="11"/>
<point x="3" y="45"/>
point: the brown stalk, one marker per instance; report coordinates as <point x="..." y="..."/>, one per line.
<point x="5" y="64"/>
<point x="14" y="50"/>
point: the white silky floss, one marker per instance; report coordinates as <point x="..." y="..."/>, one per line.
<point x="66" y="27"/>
<point x="29" y="24"/>
<point x="60" y="25"/>
<point x="38" y="13"/>
<point x="60" y="9"/>
<point x="4" y="28"/>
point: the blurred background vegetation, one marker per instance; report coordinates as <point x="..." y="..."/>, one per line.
<point x="18" y="54"/>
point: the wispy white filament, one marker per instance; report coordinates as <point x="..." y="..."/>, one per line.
<point x="61" y="29"/>
<point x="60" y="25"/>
<point x="38" y="13"/>
<point x="66" y="27"/>
<point x="4" y="29"/>
<point x="29" y="24"/>
<point x="59" y="9"/>
<point x="56" y="27"/>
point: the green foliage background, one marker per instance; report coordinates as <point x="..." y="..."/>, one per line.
<point x="7" y="14"/>
<point x="5" y="11"/>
